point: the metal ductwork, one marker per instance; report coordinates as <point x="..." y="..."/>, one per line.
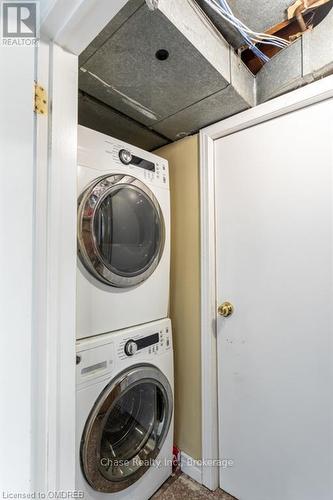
<point x="197" y="80"/>
<point x="163" y="69"/>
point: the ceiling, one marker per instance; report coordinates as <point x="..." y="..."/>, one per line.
<point x="127" y="92"/>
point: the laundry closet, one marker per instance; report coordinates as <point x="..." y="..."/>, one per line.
<point x="137" y="199"/>
<point x="174" y="335"/>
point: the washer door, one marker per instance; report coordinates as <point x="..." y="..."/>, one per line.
<point x="126" y="429"/>
<point x="121" y="230"/>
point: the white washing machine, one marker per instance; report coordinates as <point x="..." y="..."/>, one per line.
<point x="123" y="235"/>
<point x="124" y="409"/>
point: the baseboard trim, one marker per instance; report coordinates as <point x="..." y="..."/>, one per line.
<point x="191" y="467"/>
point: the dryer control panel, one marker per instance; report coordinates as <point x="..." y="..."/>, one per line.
<point x="154" y="171"/>
<point x="153" y="344"/>
<point x="106" y="154"/>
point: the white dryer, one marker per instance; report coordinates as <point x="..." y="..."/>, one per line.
<point x="123" y="235"/>
<point x="124" y="408"/>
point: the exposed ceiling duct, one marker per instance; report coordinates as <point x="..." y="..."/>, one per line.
<point x="162" y="69"/>
<point x="200" y="81"/>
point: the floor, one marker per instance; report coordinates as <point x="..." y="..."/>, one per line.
<point x="179" y="486"/>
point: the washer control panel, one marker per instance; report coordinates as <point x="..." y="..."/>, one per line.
<point x="150" y="345"/>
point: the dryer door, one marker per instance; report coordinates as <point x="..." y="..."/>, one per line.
<point x="126" y="429"/>
<point x="121" y="230"/>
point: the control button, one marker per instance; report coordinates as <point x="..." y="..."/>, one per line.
<point x="130" y="348"/>
<point x="168" y="342"/>
<point x="125" y="156"/>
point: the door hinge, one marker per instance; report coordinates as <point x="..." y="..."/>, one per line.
<point x="40" y="100"/>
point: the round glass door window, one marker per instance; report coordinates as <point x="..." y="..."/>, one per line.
<point x="126" y="429"/>
<point x="120" y="230"/>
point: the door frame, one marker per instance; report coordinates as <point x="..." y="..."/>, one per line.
<point x="306" y="96"/>
<point x="67" y="28"/>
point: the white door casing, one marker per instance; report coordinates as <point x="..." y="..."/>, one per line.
<point x="316" y="92"/>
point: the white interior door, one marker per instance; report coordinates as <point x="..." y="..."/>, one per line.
<point x="274" y="264"/>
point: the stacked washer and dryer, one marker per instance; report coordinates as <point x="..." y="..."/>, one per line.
<point x="124" y="338"/>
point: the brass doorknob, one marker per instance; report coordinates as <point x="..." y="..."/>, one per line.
<point x="226" y="309"/>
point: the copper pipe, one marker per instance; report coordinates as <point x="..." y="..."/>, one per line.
<point x="299" y="13"/>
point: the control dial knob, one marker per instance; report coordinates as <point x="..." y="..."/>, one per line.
<point x="131" y="347"/>
<point x="125" y="156"/>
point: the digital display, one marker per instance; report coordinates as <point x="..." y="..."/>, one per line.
<point x="139" y="162"/>
<point x="147" y="341"/>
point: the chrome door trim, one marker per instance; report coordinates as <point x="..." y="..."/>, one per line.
<point x="91" y="437"/>
<point x="88" y="251"/>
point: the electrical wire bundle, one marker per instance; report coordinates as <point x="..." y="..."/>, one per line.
<point x="250" y="37"/>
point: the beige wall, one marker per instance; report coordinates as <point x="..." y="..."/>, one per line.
<point x="183" y="157"/>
